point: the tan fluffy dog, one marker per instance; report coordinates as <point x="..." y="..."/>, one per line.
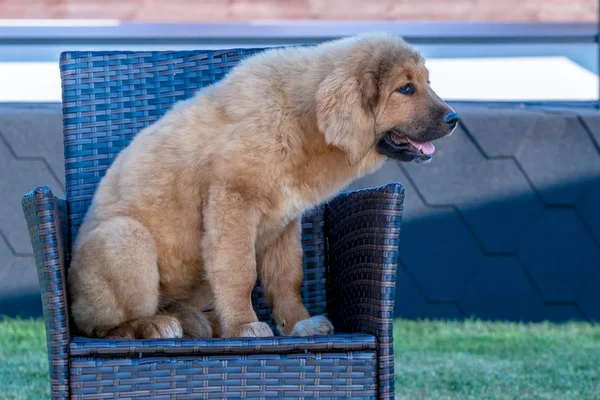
<point x="211" y="194"/>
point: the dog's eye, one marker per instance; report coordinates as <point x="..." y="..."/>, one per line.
<point x="407" y="89"/>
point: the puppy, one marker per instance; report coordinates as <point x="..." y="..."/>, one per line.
<point x="209" y="197"/>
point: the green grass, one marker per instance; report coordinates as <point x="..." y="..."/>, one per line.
<point x="497" y="361"/>
<point x="23" y="360"/>
<point x="434" y="360"/>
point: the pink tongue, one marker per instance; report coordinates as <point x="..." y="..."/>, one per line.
<point x="426" y="147"/>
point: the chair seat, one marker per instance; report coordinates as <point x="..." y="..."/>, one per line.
<point x="85" y="347"/>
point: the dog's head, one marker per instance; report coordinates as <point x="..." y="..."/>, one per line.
<point x="378" y="98"/>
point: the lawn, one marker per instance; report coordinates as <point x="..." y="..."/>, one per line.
<point x="23" y="360"/>
<point x="434" y="360"/>
<point x="497" y="361"/>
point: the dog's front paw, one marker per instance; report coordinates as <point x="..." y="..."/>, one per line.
<point x="253" y="329"/>
<point x="318" y="325"/>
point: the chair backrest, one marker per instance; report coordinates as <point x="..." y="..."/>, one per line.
<point x="108" y="97"/>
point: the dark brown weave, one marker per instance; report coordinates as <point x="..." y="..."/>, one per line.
<point x="47" y="221"/>
<point x="80" y="346"/>
<point x="260" y="376"/>
<point x="350" y="251"/>
<point x="363" y="234"/>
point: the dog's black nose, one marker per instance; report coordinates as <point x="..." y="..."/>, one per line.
<point x="451" y="119"/>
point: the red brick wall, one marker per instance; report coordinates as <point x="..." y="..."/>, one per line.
<point x="243" y="10"/>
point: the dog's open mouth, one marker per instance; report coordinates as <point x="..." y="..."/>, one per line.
<point x="427" y="148"/>
<point x="398" y="146"/>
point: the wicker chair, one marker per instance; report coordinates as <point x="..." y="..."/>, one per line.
<point x="350" y="255"/>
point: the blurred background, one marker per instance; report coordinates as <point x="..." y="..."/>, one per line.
<point x="503" y="224"/>
<point x="501" y="229"/>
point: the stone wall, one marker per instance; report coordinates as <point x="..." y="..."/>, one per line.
<point x="243" y="10"/>
<point x="502" y="224"/>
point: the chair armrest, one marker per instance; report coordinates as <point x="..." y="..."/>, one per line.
<point x="47" y="221"/>
<point x="363" y="229"/>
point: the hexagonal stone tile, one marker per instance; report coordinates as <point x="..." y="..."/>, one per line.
<point x="5" y="156"/>
<point x="440" y="253"/>
<point x="590" y="299"/>
<point x="560" y="255"/>
<point x="5" y="255"/>
<point x="445" y="180"/>
<point x="19" y="273"/>
<point x="35" y="132"/>
<point x="500" y="289"/>
<point x="560" y="313"/>
<point x="559" y="158"/>
<point x="592" y="120"/>
<point x="589" y="207"/>
<point x="499" y="132"/>
<point x="392" y="172"/>
<point x="19" y="288"/>
<point x="24" y="176"/>
<point x="501" y="202"/>
<point x="493" y="195"/>
<point x="5" y="260"/>
<point x="410" y="304"/>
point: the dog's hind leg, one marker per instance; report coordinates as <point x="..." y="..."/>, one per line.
<point x="194" y="321"/>
<point x="114" y="283"/>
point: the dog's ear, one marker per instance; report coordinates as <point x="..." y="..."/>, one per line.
<point x="345" y="113"/>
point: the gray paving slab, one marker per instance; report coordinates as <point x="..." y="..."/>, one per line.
<point x="445" y="179"/>
<point x="558" y="157"/>
<point x="560" y="313"/>
<point x="499" y="132"/>
<point x="5" y="254"/>
<point x="35" y="134"/>
<point x="589" y="207"/>
<point x="560" y="255"/>
<point x="590" y="299"/>
<point x="392" y="171"/>
<point x="20" y="288"/>
<point x="411" y="304"/>
<point x="499" y="290"/>
<point x="22" y="177"/>
<point x="500" y="200"/>
<point x="441" y="253"/>
<point x="592" y="121"/>
<point x="19" y="275"/>
<point x="591" y="118"/>
<point x="5" y="158"/>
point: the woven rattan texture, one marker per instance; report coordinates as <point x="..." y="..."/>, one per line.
<point x="47" y="221"/>
<point x="296" y="376"/>
<point x="364" y="229"/>
<point x="275" y="345"/>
